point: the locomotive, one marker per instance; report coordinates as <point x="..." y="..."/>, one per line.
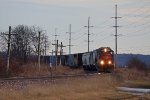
<point x="101" y="59"/>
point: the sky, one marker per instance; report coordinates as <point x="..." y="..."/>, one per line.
<point x="134" y="30"/>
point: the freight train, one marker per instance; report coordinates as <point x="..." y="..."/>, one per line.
<point x="101" y="59"/>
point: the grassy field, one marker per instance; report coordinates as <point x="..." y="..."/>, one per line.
<point x="31" y="70"/>
<point x="98" y="87"/>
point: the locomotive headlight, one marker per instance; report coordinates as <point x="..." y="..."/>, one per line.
<point x="105" y="50"/>
<point x="102" y="62"/>
<point x="109" y="62"/>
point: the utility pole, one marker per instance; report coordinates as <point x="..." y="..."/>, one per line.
<point x="56" y="45"/>
<point x="61" y="51"/>
<point x="61" y="48"/>
<point x="69" y="39"/>
<point x="51" y="58"/>
<point x="39" y="39"/>
<point x="56" y="51"/>
<point x="52" y="52"/>
<point x="45" y="45"/>
<point x="8" y="51"/>
<point x="116" y="34"/>
<point x="55" y="40"/>
<point x="88" y="32"/>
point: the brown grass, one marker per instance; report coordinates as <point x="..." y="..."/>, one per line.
<point x="88" y="88"/>
<point x="132" y="77"/>
<point x="98" y="87"/>
<point x="131" y="74"/>
<point x="30" y="70"/>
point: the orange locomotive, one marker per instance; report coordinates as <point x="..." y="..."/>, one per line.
<point x="101" y="59"/>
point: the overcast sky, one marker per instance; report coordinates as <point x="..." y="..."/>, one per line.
<point x="50" y="14"/>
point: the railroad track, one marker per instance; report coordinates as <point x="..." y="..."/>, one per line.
<point x="49" y="77"/>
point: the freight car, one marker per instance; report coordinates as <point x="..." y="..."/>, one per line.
<point x="101" y="59"/>
<point x="71" y="60"/>
<point x="74" y="60"/>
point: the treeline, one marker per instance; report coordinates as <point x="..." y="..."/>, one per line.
<point x="24" y="42"/>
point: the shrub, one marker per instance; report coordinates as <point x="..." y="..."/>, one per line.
<point x="15" y="67"/>
<point x="136" y="63"/>
<point x="2" y="67"/>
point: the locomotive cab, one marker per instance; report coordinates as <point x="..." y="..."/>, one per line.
<point x="100" y="60"/>
<point x="105" y="59"/>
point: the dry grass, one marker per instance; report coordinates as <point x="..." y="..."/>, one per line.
<point x="98" y="87"/>
<point x="30" y="70"/>
<point x="133" y="77"/>
<point x="132" y="74"/>
<point x="68" y="89"/>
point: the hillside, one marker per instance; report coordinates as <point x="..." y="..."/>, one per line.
<point x="124" y="58"/>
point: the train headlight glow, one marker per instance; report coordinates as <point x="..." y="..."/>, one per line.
<point x="102" y="62"/>
<point x="109" y="62"/>
<point x="105" y="50"/>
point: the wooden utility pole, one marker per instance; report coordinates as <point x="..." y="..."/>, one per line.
<point x="39" y="51"/>
<point x="8" y="52"/>
<point x="56" y="51"/>
<point x="61" y="48"/>
<point x="61" y="51"/>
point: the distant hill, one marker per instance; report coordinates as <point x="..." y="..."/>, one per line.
<point x="124" y="58"/>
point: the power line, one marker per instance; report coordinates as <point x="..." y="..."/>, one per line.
<point x="134" y="12"/>
<point x="136" y="31"/>
<point x="77" y="38"/>
<point x="147" y="3"/>
<point x="102" y="23"/>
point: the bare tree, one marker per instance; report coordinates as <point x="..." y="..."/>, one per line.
<point x="21" y="41"/>
<point x="3" y="42"/>
<point x="25" y="41"/>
